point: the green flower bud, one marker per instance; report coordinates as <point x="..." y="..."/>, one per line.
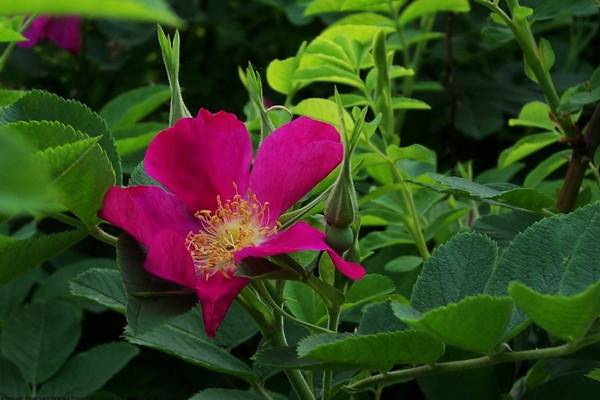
<point x="340" y="239"/>
<point x="341" y="208"/>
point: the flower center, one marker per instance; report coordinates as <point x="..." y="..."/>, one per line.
<point x="235" y="224"/>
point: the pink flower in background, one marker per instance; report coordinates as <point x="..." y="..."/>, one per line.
<point x="221" y="206"/>
<point x="65" y="32"/>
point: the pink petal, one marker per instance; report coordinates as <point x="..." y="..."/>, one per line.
<point x="66" y="33"/>
<point x="299" y="237"/>
<point x="292" y="160"/>
<point x="169" y="259"/>
<point x="216" y="295"/>
<point x="36" y="32"/>
<point x="145" y="211"/>
<point x="200" y="158"/>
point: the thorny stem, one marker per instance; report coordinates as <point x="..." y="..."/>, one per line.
<point x="389" y="378"/>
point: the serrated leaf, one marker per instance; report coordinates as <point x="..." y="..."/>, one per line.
<point x="103" y="286"/>
<point x="380" y="350"/>
<point x="475" y="323"/>
<point x="38" y="105"/>
<point x="463" y="264"/>
<point x="565" y="317"/>
<point x="87" y="372"/>
<point x="132" y="106"/>
<point x="40" y="339"/>
<point x="144" y="10"/>
<point x="421" y="8"/>
<point x="32" y="251"/>
<point x="80" y="175"/>
<point x="526" y="146"/>
<point x="555" y="256"/>
<point x="503" y="227"/>
<point x="145" y="313"/>
<point x="379" y="317"/>
<point x="193" y="347"/>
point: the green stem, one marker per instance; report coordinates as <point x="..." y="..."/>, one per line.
<point x="334" y="319"/>
<point x="262" y="391"/>
<point x="11" y="46"/>
<point x="403" y="375"/>
<point x="95" y="232"/>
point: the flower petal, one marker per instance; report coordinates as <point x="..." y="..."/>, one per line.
<point x="299" y="237"/>
<point x="36" y="32"/>
<point x="216" y="295"/>
<point x="145" y="211"/>
<point x="292" y="160"/>
<point x="169" y="259"/>
<point x="66" y="33"/>
<point x="200" y="158"/>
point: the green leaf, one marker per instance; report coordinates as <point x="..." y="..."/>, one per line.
<point x="12" y="383"/>
<point x="463" y="264"/>
<point x="378" y="351"/>
<point x="14" y="293"/>
<point x="38" y="105"/>
<point x="534" y="115"/>
<point x="103" y="286"/>
<point x="89" y="371"/>
<point x="322" y="110"/>
<point x="189" y="344"/>
<point x="145" y="312"/>
<point x="135" y="138"/>
<point x="303" y="302"/>
<point x="565" y="317"/>
<point x="514" y="197"/>
<point x="8" y="35"/>
<point x="415" y="152"/>
<point x="280" y="74"/>
<point x="403" y="264"/>
<point x="503" y="227"/>
<point x="405" y="103"/>
<point x="25" y="187"/>
<point x="143" y="10"/>
<point x="81" y="174"/>
<point x="132" y="106"/>
<point x="475" y="323"/>
<point x="40" y="339"/>
<point x="558" y="8"/>
<point x="32" y="251"/>
<point x="225" y="394"/>
<point x="8" y="96"/>
<point x="421" y="8"/>
<point x="526" y="146"/>
<point x="557" y="255"/>
<point x="371" y="288"/>
<point x="379" y="317"/>
<point x="546" y="168"/>
<point x="327" y="73"/>
<point x="594" y="374"/>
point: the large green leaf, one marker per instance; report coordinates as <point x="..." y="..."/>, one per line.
<point x="132" y="106"/>
<point x="555" y="256"/>
<point x="322" y="110"/>
<point x="146" y="308"/>
<point x="12" y="383"/>
<point x="38" y="105"/>
<point x="459" y="268"/>
<point x="103" y="286"/>
<point x="565" y="317"/>
<point x="13" y="294"/>
<point x="40" y="339"/>
<point x="475" y="323"/>
<point x="186" y="340"/>
<point x="526" y="146"/>
<point x="144" y="10"/>
<point x="18" y="256"/>
<point x="534" y="115"/>
<point x="380" y="350"/>
<point x="87" y="372"/>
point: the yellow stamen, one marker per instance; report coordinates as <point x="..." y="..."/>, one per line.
<point x="235" y="224"/>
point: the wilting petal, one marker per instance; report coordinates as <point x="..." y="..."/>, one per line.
<point x="145" y="211"/>
<point x="200" y="158"/>
<point x="299" y="237"/>
<point x="66" y="33"/>
<point x="36" y="32"/>
<point x="216" y="295"/>
<point x="292" y="160"/>
<point x="169" y="259"/>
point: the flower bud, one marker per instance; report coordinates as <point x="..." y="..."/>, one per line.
<point x="340" y="239"/>
<point x="341" y="207"/>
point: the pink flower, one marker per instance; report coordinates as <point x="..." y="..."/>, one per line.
<point x="65" y="32"/>
<point x="221" y="207"/>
